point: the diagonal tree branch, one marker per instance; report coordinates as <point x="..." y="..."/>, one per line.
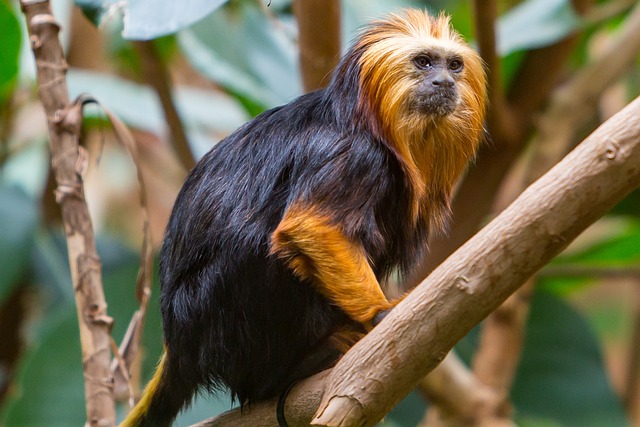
<point x="390" y="361"/>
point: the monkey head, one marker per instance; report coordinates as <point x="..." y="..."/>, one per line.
<point x="422" y="89"/>
<point x="415" y="66"/>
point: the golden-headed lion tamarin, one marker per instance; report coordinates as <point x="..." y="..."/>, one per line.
<point x="280" y="238"/>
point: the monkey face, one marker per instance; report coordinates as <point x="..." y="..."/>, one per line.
<point x="436" y="92"/>
<point x="418" y="77"/>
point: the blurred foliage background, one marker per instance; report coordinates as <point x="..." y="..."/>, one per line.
<point x="229" y="61"/>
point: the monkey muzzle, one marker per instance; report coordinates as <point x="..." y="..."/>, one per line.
<point x="436" y="100"/>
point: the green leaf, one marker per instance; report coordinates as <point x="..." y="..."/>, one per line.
<point x="561" y="375"/>
<point x="9" y="49"/>
<point x="620" y="250"/>
<point x="537" y="422"/>
<point x="51" y="380"/>
<point x="630" y="205"/>
<point x="148" y="19"/>
<point x="534" y="24"/>
<point x="234" y="80"/>
<point x="244" y="39"/>
<point x="58" y="392"/>
<point x="561" y="379"/>
<point x="18" y="220"/>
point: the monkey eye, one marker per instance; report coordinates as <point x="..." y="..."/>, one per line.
<point x="456" y="65"/>
<point x="423" y="62"/>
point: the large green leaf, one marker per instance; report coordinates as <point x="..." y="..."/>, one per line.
<point x="561" y="375"/>
<point x="534" y="24"/>
<point x="149" y="19"/>
<point x="18" y="219"/>
<point x="619" y="250"/>
<point x="59" y="393"/>
<point x="50" y="390"/>
<point x="9" y="49"/>
<point x="241" y="37"/>
<point x="234" y="80"/>
<point x="561" y="379"/>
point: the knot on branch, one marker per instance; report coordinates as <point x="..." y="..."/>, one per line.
<point x="43" y="19"/>
<point x="612" y="148"/>
<point x="104" y="384"/>
<point x="462" y="283"/>
<point x="68" y="189"/>
<point x="69" y="118"/>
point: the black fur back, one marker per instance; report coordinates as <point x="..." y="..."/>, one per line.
<point x="235" y="316"/>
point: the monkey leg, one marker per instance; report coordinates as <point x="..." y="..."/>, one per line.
<point x="318" y="251"/>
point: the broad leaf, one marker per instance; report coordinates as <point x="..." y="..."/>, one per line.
<point x="561" y="375"/>
<point x="58" y="394"/>
<point x="9" y="49"/>
<point x="262" y="53"/>
<point x="234" y="80"/>
<point x="148" y="19"/>
<point x="561" y="379"/>
<point x="18" y="220"/>
<point x="535" y="23"/>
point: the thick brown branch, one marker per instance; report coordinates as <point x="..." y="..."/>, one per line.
<point x="69" y="162"/>
<point x="156" y="74"/>
<point x="319" y="40"/>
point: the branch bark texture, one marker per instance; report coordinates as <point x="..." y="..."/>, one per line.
<point x="69" y="162"/>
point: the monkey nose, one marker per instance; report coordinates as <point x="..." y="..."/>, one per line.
<point x="443" y="80"/>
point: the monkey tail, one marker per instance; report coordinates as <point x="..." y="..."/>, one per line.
<point x="162" y="399"/>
